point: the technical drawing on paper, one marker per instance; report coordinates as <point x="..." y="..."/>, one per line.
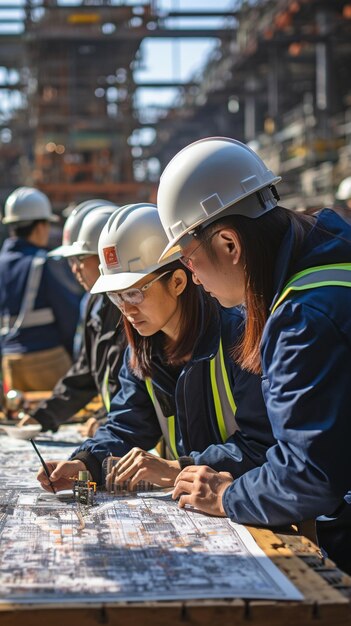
<point x="132" y="548"/>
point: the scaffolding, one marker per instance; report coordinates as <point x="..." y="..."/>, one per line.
<point x="68" y="76"/>
<point x="278" y="79"/>
<point x="282" y="83"/>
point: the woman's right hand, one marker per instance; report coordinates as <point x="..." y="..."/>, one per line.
<point x="62" y="474"/>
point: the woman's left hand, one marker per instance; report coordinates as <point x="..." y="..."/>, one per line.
<point x="202" y="488"/>
<point x="139" y="465"/>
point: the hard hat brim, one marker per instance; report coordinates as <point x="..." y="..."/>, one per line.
<point x="62" y="251"/>
<point x="18" y="220"/>
<point x="119" y="282"/>
<point x="172" y="248"/>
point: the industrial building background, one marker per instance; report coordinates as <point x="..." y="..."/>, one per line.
<point x="279" y="78"/>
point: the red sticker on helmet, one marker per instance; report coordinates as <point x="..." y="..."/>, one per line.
<point x="111" y="257"/>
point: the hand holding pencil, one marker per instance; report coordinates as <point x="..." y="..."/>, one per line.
<point x="62" y="474"/>
<point x="45" y="467"/>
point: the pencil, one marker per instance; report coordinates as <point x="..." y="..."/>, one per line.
<point x="46" y="470"/>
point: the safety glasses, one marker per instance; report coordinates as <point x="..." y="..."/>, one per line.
<point x="133" y="296"/>
<point x="78" y="259"/>
<point x="187" y="260"/>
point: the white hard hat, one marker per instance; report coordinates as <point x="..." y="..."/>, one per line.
<point x="90" y="230"/>
<point x="207" y="178"/>
<point x="73" y="224"/>
<point x="27" y="204"/>
<point x="344" y="189"/>
<point x="129" y="247"/>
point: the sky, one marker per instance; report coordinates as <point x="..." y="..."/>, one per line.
<point x="163" y="59"/>
<point x="176" y="59"/>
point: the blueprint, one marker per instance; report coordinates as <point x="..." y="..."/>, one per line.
<point x="127" y="548"/>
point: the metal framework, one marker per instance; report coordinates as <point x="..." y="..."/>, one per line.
<point x="68" y="94"/>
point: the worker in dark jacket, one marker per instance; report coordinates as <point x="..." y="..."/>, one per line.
<point x="218" y="203"/>
<point x="96" y="369"/>
<point x="39" y="305"/>
<point x="178" y="379"/>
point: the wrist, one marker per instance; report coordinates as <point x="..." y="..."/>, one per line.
<point x="79" y="465"/>
<point x="220" y="495"/>
<point x="185" y="461"/>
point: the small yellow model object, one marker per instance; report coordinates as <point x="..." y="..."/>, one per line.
<point x="84" y="489"/>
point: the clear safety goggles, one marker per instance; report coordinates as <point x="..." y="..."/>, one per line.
<point x="133" y="296"/>
<point x="78" y="259"/>
<point x="187" y="260"/>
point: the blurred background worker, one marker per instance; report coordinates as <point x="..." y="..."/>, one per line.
<point x="39" y="305"/>
<point x="97" y="367"/>
<point x="343" y="199"/>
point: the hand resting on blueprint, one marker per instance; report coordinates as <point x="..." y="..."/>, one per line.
<point x="139" y="465"/>
<point x="62" y="474"/>
<point x="202" y="488"/>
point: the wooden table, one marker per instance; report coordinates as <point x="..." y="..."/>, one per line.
<point x="327" y="594"/>
<point x="326" y="590"/>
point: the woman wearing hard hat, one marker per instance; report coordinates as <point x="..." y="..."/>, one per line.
<point x="178" y="379"/>
<point x="218" y="204"/>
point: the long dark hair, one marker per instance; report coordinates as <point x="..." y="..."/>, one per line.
<point x="260" y="240"/>
<point x="190" y="316"/>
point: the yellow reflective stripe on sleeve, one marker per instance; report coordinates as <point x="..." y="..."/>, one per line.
<point x="105" y="391"/>
<point x="217" y="401"/>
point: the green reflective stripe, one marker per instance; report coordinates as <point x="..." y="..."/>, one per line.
<point x="221" y="408"/>
<point x="172" y="438"/>
<point x="292" y="286"/>
<point x="217" y="400"/>
<point x="226" y="379"/>
<point x="150" y="389"/>
<point x="105" y="391"/>
<point x="167" y="424"/>
<point x="318" y="268"/>
<point x="224" y="404"/>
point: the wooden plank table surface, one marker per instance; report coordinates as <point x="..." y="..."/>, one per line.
<point x="326" y="590"/>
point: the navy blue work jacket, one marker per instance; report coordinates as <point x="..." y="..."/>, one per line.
<point x="56" y="291"/>
<point x="306" y="362"/>
<point x="101" y="353"/>
<point x="186" y="393"/>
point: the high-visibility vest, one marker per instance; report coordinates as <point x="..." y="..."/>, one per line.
<point x="29" y="317"/>
<point x="337" y="274"/>
<point x="224" y="404"/>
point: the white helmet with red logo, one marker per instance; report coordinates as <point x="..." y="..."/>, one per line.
<point x="129" y="247"/>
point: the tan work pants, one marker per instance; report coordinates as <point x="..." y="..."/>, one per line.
<point x="35" y="371"/>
